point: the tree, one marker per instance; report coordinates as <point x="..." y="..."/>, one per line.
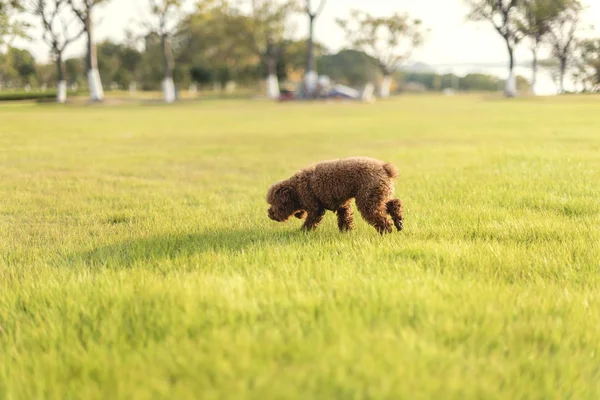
<point x="57" y="37"/>
<point x="11" y="27"/>
<point x="349" y="67"/>
<point x="310" y="74"/>
<point x="130" y="62"/>
<point x="587" y="63"/>
<point x="75" y="70"/>
<point x="83" y="9"/>
<point x="551" y="66"/>
<point x="23" y="64"/>
<point x="165" y="16"/>
<point x="118" y="63"/>
<point x="267" y="34"/>
<point x="46" y="74"/>
<point x="533" y="21"/>
<point x="562" y="37"/>
<point x="502" y="14"/>
<point x="293" y="56"/>
<point x="215" y="38"/>
<point x="388" y="40"/>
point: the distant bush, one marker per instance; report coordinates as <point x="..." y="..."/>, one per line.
<point x="22" y="95"/>
<point x="18" y="95"/>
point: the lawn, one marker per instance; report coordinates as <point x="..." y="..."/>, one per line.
<point x="137" y="260"/>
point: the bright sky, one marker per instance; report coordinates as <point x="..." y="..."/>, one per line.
<point x="452" y="40"/>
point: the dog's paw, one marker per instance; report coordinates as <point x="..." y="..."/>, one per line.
<point x="399" y="225"/>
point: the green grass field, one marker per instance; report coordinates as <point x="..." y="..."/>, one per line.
<point x="137" y="260"/>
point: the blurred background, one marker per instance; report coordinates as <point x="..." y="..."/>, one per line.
<point x="172" y="50"/>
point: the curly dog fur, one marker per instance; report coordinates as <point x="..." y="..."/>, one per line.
<point x="331" y="185"/>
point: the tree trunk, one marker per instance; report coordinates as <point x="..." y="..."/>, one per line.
<point x="272" y="82"/>
<point x="61" y="88"/>
<point x="534" y="67"/>
<point x="511" y="85"/>
<point x="94" y="82"/>
<point x="386" y="84"/>
<point x="310" y="78"/>
<point x="563" y="72"/>
<point x="169" y="66"/>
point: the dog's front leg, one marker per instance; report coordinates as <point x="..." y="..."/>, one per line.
<point x="313" y="219"/>
<point x="345" y="217"/>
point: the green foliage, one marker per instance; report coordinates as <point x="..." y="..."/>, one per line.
<point x="75" y="70"/>
<point x="536" y="16"/>
<point x="152" y="65"/>
<point x="137" y="260"/>
<point x="563" y="29"/>
<point x="350" y="67"/>
<point x="294" y="53"/>
<point x="587" y="64"/>
<point x="23" y="63"/>
<point x="201" y="75"/>
<point x="268" y="28"/>
<point x="11" y="26"/>
<point x="119" y="63"/>
<point x="17" y="68"/>
<point x="215" y="38"/>
<point x="46" y="74"/>
<point x="388" y="40"/>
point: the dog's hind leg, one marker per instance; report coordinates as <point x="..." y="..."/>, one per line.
<point x="373" y="208"/>
<point x="345" y="217"/>
<point x="394" y="208"/>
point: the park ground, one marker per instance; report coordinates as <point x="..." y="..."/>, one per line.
<point x="137" y="260"/>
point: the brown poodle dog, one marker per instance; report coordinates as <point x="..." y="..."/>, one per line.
<point x="331" y="185"/>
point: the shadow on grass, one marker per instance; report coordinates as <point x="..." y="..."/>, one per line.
<point x="165" y="247"/>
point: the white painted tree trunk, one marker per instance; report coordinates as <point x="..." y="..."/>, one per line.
<point x="272" y="87"/>
<point x="61" y="92"/>
<point x="386" y="84"/>
<point x="230" y="86"/>
<point x="310" y="81"/>
<point x="511" y="85"/>
<point x="168" y="90"/>
<point x="95" y="85"/>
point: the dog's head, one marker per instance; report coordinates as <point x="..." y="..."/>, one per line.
<point x="284" y="203"/>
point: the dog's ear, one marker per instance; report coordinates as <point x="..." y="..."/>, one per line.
<point x="285" y="195"/>
<point x="280" y="192"/>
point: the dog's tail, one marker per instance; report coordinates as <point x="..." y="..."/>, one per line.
<point x="391" y="170"/>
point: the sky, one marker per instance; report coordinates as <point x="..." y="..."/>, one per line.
<point x="453" y="44"/>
